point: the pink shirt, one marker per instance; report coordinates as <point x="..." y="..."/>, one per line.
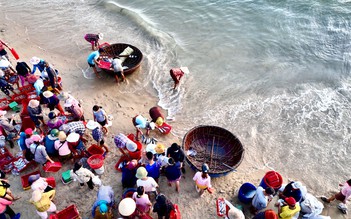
<point x="64" y="149"/>
<point x="143" y="202"/>
<point x="3" y="204"/>
<point x="346" y="190"/>
<point x="202" y="181"/>
<point x="39" y="184"/>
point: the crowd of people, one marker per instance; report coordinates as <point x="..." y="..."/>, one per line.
<point x="61" y="135"/>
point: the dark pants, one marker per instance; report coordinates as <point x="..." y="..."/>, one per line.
<point x="9" y="212"/>
<point x="89" y="183"/>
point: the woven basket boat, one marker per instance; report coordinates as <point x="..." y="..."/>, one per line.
<point x="216" y="146"/>
<point x="133" y="62"/>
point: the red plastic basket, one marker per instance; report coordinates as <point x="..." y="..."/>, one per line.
<point x="122" y="159"/>
<point x="51" y="181"/>
<point x="18" y="98"/>
<point x="24" y="179"/>
<point x="95" y="149"/>
<point x="70" y="212"/>
<point x="137" y="154"/>
<point x="26" y="89"/>
<point x="52" y="167"/>
<point x="96" y="161"/>
<point x="4" y="104"/>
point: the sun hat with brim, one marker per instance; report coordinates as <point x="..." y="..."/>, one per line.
<point x="159" y="121"/>
<point x="101" y="36"/>
<point x="33" y="103"/>
<point x="126" y="207"/>
<point x="2" y="73"/>
<point x="270" y="214"/>
<point x="290" y="201"/>
<point x="33" y="178"/>
<point x="32" y="79"/>
<point x="141" y="173"/>
<point x="68" y="103"/>
<point x="48" y="94"/>
<point x="160" y="148"/>
<point x="62" y="136"/>
<point x="63" y="96"/>
<point x="92" y="125"/>
<point x="3" y="112"/>
<point x="131" y="146"/>
<point x="73" y="137"/>
<point x="4" y="63"/>
<point x="35" y="138"/>
<point x="185" y="70"/>
<point x="36" y="195"/>
<point x="34" y="60"/>
<point x="28" y="131"/>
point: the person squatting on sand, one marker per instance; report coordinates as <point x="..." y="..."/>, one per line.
<point x="261" y="199"/>
<point x="104" y="203"/>
<point x="141" y="122"/>
<point x="343" y="195"/>
<point x="117" y="68"/>
<point x="289" y="208"/>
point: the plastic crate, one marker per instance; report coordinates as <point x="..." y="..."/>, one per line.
<point x="52" y="167"/>
<point x="51" y="181"/>
<point x="5" y="158"/>
<point x="26" y="89"/>
<point x="70" y="212"/>
<point x="32" y="96"/>
<point x="24" y="179"/>
<point x="4" y="104"/>
<point x="66" y="177"/>
<point x="95" y="149"/>
<point x="18" y="98"/>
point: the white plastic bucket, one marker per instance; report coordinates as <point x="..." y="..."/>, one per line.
<point x="100" y="170"/>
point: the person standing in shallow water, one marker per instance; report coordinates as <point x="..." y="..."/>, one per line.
<point x="93" y="60"/>
<point x="177" y="74"/>
<point x="93" y="39"/>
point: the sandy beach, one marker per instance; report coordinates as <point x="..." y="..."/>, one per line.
<point x="123" y="106"/>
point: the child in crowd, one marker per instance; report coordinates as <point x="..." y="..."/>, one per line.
<point x="100" y="116"/>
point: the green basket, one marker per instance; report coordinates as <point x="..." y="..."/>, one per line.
<point x="66" y="177"/>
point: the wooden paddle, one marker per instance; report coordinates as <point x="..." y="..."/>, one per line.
<point x="13" y="51"/>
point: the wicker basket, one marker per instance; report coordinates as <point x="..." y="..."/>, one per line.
<point x="216" y="146"/>
<point x="133" y="62"/>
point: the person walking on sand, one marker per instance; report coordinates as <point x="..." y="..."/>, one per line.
<point x="149" y="184"/>
<point x="177" y="74"/>
<point x="203" y="180"/>
<point x="82" y="175"/>
<point x="142" y="200"/>
<point x="43" y="202"/>
<point x="177" y="153"/>
<point x="93" y="39"/>
<point x="173" y="173"/>
<point x="93" y="60"/>
<point x="343" y="195"/>
<point x="100" y="116"/>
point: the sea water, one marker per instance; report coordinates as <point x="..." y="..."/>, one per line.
<point x="275" y="73"/>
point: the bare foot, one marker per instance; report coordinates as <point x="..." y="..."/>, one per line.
<point x="16" y="198"/>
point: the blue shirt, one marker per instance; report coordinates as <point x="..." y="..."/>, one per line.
<point x="153" y="170"/>
<point x="93" y="56"/>
<point x="50" y="145"/>
<point x="38" y="85"/>
<point x="40" y="66"/>
<point x="21" y="141"/>
<point x="173" y="172"/>
<point x="97" y="134"/>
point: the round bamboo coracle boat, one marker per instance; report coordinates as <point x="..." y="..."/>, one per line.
<point x="132" y="58"/>
<point x="216" y="146"/>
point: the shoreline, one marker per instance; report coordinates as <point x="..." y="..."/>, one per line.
<point x="123" y="106"/>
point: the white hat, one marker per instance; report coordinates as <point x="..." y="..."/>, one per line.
<point x="68" y="103"/>
<point x="33" y="103"/>
<point x="3" y="112"/>
<point x="185" y="70"/>
<point x="92" y="125"/>
<point x="4" y="63"/>
<point x="151" y="148"/>
<point x="131" y="146"/>
<point x="73" y="137"/>
<point x="48" y="94"/>
<point x="101" y="36"/>
<point x="126" y="207"/>
<point x="34" y="60"/>
<point x="2" y="73"/>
